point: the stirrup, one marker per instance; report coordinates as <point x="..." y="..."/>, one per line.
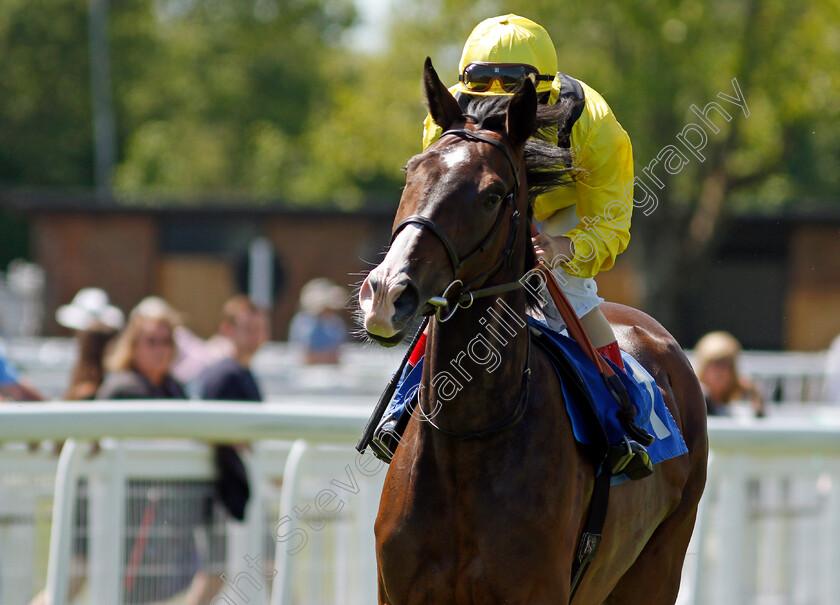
<point x="388" y="436"/>
<point x="383" y="447"/>
<point x="629" y="457"/>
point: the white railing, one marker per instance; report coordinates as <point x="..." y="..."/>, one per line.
<point x="328" y="496"/>
<point x="364" y="370"/>
<point x="786" y="376"/>
<point x="768" y="532"/>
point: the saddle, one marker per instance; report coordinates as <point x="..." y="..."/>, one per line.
<point x="588" y="415"/>
<point x="592" y="409"/>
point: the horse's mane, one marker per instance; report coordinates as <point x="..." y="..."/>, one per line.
<point x="547" y="166"/>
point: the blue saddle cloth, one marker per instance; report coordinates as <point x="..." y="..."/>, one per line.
<point x="652" y="414"/>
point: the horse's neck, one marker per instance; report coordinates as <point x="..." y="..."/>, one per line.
<point x="475" y="363"/>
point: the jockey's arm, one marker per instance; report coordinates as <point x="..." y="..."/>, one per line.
<point x="603" y="200"/>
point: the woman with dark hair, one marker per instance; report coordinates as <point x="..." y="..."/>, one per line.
<point x="95" y="322"/>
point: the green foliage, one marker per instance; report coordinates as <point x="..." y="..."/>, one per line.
<point x="209" y="96"/>
<point x="653" y="59"/>
<point x="45" y="122"/>
<point x="264" y="98"/>
<point x="215" y="96"/>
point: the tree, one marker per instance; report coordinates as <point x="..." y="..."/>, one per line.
<point x="45" y="130"/>
<point x="214" y="98"/>
<point x="210" y="98"/>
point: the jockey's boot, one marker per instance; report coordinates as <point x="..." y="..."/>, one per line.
<point x="388" y="434"/>
<point x="389" y="431"/>
<point x="628" y="456"/>
<point x="613" y="353"/>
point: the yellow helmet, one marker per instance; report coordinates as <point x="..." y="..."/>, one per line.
<point x="509" y="39"/>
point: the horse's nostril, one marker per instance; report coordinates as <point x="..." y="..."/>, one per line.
<point x="369" y="287"/>
<point x="407" y="302"/>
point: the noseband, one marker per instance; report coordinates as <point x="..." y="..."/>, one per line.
<point x="465" y="296"/>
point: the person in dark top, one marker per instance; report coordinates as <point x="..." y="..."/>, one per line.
<point x="228" y="380"/>
<point x="245" y="325"/>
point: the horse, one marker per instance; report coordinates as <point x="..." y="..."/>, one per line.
<point x="486" y="497"/>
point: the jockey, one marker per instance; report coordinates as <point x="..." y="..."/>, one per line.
<point x="584" y="225"/>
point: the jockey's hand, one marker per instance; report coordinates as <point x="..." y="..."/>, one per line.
<point x="552" y="250"/>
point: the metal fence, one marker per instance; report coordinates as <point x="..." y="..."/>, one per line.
<point x="133" y="521"/>
<point x="768" y="532"/>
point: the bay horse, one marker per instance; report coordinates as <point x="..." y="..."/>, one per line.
<point x="486" y="497"/>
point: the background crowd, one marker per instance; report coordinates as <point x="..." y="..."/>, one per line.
<point x="151" y="355"/>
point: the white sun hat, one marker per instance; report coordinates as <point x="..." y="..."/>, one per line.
<point x="320" y="294"/>
<point x="90" y="306"/>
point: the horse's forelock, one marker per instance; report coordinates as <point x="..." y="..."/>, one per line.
<point x="547" y="166"/>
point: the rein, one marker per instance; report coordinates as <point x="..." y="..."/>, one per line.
<point x="463" y="295"/>
<point x="512" y="420"/>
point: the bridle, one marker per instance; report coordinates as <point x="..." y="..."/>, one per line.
<point x="463" y="297"/>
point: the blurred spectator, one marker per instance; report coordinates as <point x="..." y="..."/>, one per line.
<point x="317" y="327"/>
<point x="716" y="363"/>
<point x="196" y="354"/>
<point x="12" y="388"/>
<point x="95" y="322"/>
<point x="161" y="555"/>
<point x="246" y="327"/>
<point x="139" y="365"/>
<point x="26" y="282"/>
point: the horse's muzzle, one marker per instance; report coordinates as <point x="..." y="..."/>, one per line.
<point x="388" y="305"/>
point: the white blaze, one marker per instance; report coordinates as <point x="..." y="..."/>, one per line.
<point x="453" y="156"/>
<point x="390" y="274"/>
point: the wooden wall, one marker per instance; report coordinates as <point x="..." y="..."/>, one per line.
<point x="813" y="303"/>
<point x="126" y="254"/>
<point x="122" y="254"/>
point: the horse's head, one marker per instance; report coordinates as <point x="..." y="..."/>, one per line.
<point x="461" y="215"/>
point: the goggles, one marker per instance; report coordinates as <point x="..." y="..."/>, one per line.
<point x="479" y="76"/>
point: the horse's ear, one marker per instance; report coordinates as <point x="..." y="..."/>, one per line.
<point x="522" y="113"/>
<point x="442" y="106"/>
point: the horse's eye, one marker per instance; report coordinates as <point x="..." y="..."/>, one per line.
<point x="494" y="198"/>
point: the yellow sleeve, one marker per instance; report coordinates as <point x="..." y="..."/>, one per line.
<point x="604" y="212"/>
<point x="431" y="131"/>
